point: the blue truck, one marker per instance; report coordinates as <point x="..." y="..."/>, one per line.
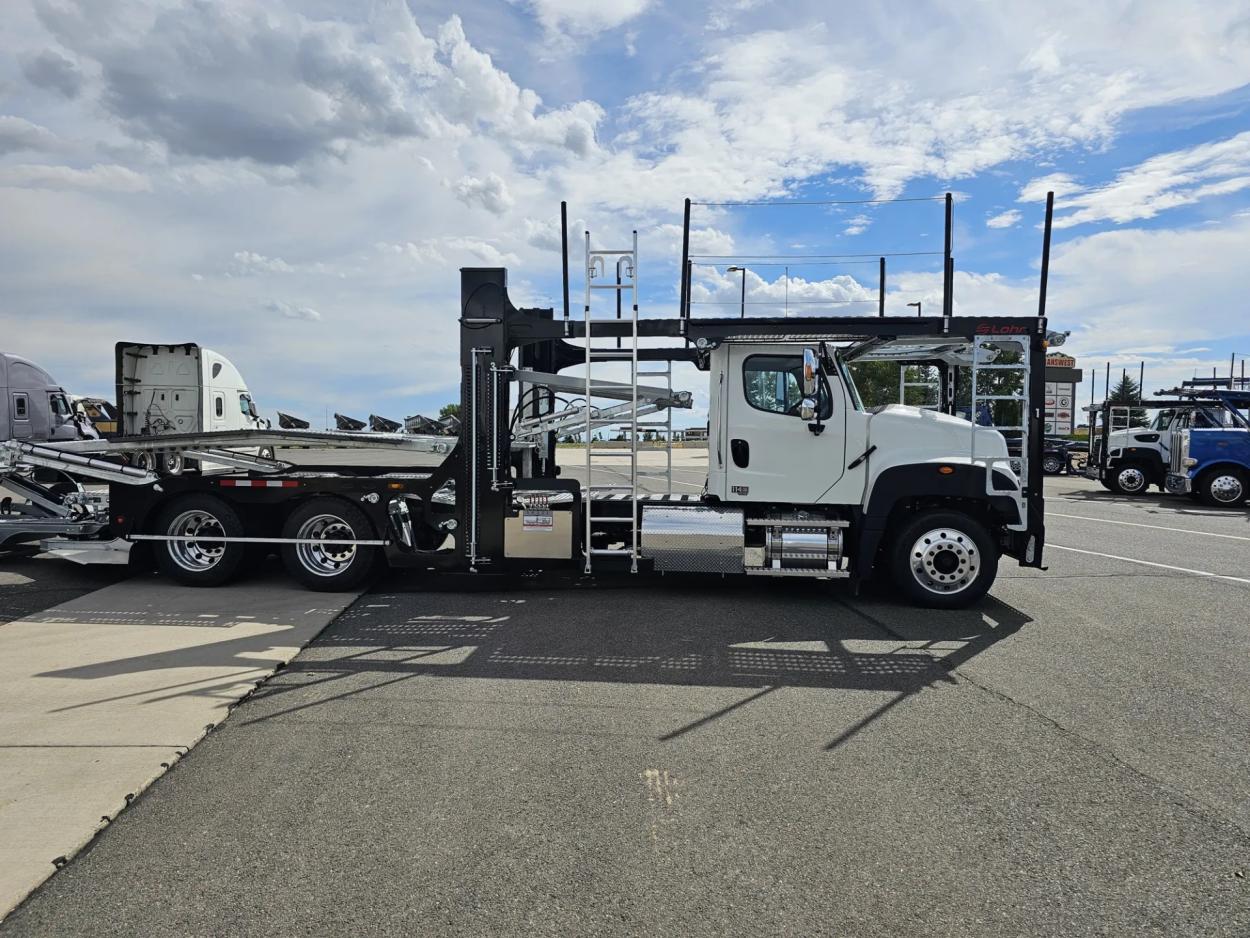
<point x="1214" y="464"/>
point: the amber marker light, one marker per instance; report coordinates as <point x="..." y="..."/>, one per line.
<point x="946" y="470"/>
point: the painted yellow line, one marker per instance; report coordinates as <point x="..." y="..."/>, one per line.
<point x="1151" y="563"/>
<point x="1154" y="527"/>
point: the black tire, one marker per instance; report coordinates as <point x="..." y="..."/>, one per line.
<point x="1223" y="487"/>
<point x="339" y="567"/>
<point x="193" y="563"/>
<point x="1130" y="478"/>
<point x="943" y="560"/>
<point x="1052" y="465"/>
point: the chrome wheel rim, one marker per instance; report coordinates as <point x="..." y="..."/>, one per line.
<point x="194" y="555"/>
<point x="1131" y="480"/>
<point x="325" y="559"/>
<point x="945" y="561"/>
<point x="1052" y="464"/>
<point x="1227" y="489"/>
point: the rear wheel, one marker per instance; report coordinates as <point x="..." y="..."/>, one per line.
<point x="944" y="560"/>
<point x="1052" y="465"/>
<point x="196" y="559"/>
<point x="1129" y="479"/>
<point x="326" y="563"/>
<point x="1223" y="488"/>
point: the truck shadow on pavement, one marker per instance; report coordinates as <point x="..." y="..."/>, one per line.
<point x="761" y="637"/>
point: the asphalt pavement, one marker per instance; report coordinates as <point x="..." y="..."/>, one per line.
<point x="1070" y="757"/>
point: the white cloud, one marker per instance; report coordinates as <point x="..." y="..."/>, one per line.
<point x="249" y="262"/>
<point x="289" y="311"/>
<point x="100" y="178"/>
<point x="1169" y="180"/>
<point x="858" y="225"/>
<point x="17" y="134"/>
<point x="491" y="193"/>
<point x="585" y="18"/>
<point x="1007" y="219"/>
<point x="256" y="81"/>
<point x="717" y="292"/>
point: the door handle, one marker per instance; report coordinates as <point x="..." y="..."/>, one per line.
<point x="740" y="450"/>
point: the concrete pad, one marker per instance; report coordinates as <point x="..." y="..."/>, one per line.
<point x="100" y="695"/>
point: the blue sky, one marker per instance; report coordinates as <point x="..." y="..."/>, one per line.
<point x="297" y="184"/>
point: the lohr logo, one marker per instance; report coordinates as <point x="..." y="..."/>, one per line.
<point x="988" y="328"/>
<point x="740" y="489"/>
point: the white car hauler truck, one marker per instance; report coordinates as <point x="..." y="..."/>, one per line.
<point x="803" y="481"/>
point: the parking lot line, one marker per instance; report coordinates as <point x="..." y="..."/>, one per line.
<point x="1156" y="527"/>
<point x="1151" y="563"/>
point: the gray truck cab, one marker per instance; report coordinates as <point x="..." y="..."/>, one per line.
<point x="35" y="407"/>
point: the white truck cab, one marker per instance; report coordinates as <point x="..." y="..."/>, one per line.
<point x="762" y="449"/>
<point x="174" y="389"/>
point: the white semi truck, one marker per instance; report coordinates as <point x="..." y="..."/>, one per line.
<point x="803" y="480"/>
<point x="180" y="389"/>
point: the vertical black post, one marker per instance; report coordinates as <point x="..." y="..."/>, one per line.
<point x="947" y="266"/>
<point x="684" y="312"/>
<point x="564" y="251"/>
<point x="881" y="290"/>
<point x="1141" y="381"/>
<point x="1046" y="228"/>
<point x="1232" y="367"/>
<point x="1106" y="383"/>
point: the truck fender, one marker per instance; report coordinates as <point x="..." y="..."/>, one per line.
<point x="899" y="485"/>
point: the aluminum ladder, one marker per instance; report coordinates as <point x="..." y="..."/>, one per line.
<point x="985" y="358"/>
<point x="626" y="279"/>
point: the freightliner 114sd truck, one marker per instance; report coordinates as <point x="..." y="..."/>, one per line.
<point x="803" y="480"/>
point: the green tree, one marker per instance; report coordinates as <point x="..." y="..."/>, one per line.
<point x="449" y="410"/>
<point x="1127" y="392"/>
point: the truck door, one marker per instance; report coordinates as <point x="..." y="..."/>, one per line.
<point x="20" y="415"/>
<point x="217" y="418"/>
<point x="771" y="455"/>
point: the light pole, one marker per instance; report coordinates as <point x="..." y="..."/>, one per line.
<point x="734" y="270"/>
<point x="917" y="305"/>
<point x="787" y="289"/>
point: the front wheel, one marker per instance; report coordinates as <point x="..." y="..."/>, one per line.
<point x="1052" y="465"/>
<point x="944" y="560"/>
<point x="1129" y="479"/>
<point x="1223" y="488"/>
<point x="328" y="559"/>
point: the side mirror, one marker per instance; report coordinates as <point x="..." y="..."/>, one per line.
<point x="811" y="365"/>
<point x="807" y="409"/>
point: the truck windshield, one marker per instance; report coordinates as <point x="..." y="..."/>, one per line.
<point x="1163" y="420"/>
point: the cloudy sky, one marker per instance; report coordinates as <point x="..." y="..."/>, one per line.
<point x="297" y="183"/>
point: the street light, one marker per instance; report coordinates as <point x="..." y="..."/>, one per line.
<point x="734" y="270"/>
<point x="917" y="305"/>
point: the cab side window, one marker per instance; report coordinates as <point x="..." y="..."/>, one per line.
<point x="774" y="383"/>
<point x="20" y="411"/>
<point x="59" y="405"/>
<point x="243" y="402"/>
<point x="219" y="407"/>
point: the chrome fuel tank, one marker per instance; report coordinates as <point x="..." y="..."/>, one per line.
<point x="693" y="538"/>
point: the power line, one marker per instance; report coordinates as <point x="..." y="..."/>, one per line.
<point x="754" y="258"/>
<point x="926" y="198"/>
<point x="778" y="302"/>
<point x="812" y="263"/>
